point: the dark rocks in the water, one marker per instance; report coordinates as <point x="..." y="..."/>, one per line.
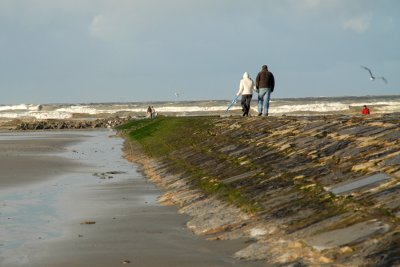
<point x="53" y="124"/>
<point x="88" y="222"/>
<point x="107" y="175"/>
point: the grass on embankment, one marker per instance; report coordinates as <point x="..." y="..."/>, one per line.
<point x="162" y="136"/>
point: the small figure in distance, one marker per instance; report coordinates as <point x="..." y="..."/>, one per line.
<point x="148" y="112"/>
<point x="153" y="112"/>
<point x="265" y="84"/>
<point x="246" y="87"/>
<point x="365" y="110"/>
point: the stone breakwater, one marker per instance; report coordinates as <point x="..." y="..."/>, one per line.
<point x="327" y="189"/>
<point x="57" y="124"/>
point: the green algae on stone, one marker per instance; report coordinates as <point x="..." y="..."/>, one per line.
<point x="282" y="169"/>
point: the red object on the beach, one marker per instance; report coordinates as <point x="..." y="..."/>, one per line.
<point x="365" y="110"/>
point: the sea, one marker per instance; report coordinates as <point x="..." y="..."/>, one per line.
<point x="278" y="107"/>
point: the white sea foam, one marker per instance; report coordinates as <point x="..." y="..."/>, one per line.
<point x="119" y="108"/>
<point x="51" y="115"/>
<point x="278" y="106"/>
<point x="387" y="109"/>
<point x="10" y="115"/>
<point x="381" y="106"/>
<point x="191" y="109"/>
<point x="379" y="103"/>
<point x="19" y="107"/>
<point x="94" y="110"/>
<point x="316" y="107"/>
<point x="78" y="109"/>
<point x="37" y="115"/>
<point x="33" y="107"/>
<point x="14" y="107"/>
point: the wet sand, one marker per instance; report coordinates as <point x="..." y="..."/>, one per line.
<point x="55" y="182"/>
<point x="29" y="158"/>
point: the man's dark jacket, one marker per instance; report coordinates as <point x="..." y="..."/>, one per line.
<point x="265" y="79"/>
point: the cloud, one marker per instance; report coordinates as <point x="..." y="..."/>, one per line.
<point x="312" y="3"/>
<point x="306" y="5"/>
<point x="112" y="27"/>
<point x="358" y="24"/>
<point x="97" y="24"/>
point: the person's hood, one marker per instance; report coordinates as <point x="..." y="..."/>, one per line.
<point x="246" y="75"/>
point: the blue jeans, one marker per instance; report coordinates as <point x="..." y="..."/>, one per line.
<point x="264" y="95"/>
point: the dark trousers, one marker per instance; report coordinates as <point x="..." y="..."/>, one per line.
<point x="246" y="99"/>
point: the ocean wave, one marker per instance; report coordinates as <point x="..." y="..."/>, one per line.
<point x="387" y="109"/>
<point x="37" y="115"/>
<point x="51" y="115"/>
<point x="378" y="103"/>
<point x="19" y="107"/>
<point x="191" y="109"/>
<point x="14" y="107"/>
<point x="316" y="107"/>
<point x="384" y="104"/>
<point x="78" y="109"/>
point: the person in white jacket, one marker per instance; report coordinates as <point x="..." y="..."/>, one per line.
<point x="246" y="88"/>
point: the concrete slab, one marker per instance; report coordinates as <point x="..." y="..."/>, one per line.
<point x="346" y="236"/>
<point x="241" y="176"/>
<point x="359" y="184"/>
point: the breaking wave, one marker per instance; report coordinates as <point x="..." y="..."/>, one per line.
<point x="323" y="105"/>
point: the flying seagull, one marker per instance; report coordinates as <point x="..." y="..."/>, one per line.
<point x="177" y="95"/>
<point x="372" y="77"/>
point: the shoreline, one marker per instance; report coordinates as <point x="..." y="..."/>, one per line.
<point x="125" y="225"/>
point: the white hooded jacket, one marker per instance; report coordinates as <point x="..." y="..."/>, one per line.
<point x="246" y="85"/>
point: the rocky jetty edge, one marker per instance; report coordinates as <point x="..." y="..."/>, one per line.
<point x="305" y="191"/>
<point x="62" y="124"/>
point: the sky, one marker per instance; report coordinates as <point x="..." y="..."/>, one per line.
<point x="86" y="51"/>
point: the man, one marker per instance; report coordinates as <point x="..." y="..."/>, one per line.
<point x="265" y="84"/>
<point x="246" y="87"/>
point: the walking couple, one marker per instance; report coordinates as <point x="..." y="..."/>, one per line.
<point x="264" y="86"/>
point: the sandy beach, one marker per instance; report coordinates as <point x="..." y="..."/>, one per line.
<point x="71" y="199"/>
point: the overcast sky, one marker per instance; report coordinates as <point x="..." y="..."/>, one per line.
<point x="63" y="51"/>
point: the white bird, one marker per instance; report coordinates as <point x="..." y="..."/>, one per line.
<point x="177" y="96"/>
<point x="372" y="77"/>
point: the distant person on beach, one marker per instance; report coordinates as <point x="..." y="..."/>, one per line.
<point x="246" y="87"/>
<point x="148" y="112"/>
<point x="153" y="112"/>
<point x="365" y="110"/>
<point x="265" y="84"/>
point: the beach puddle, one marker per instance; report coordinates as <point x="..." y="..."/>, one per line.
<point x="29" y="213"/>
<point x="26" y="216"/>
<point x="359" y="184"/>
